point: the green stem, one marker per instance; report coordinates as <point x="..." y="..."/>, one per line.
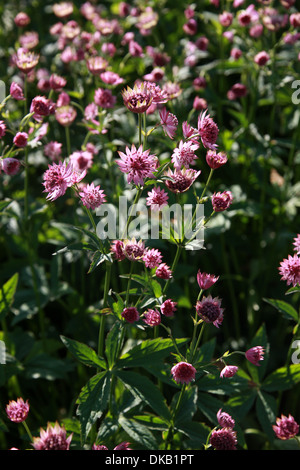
<point x="207" y="183"/>
<point x="177" y="255"/>
<point x="68" y="142"/>
<point x="128" y="284"/>
<point x="102" y="319"/>
<point x="175" y="411"/>
<point x="27" y="430"/>
<point x="136" y="199"/>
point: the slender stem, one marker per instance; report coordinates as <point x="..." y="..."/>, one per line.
<point x="207" y="183"/>
<point x="68" y="142"/>
<point x="27" y="430"/>
<point x="198" y="341"/>
<point x="128" y="283"/>
<point x="102" y="319"/>
<point x="175" y="411"/>
<point x="140" y="128"/>
<point x="177" y="255"/>
<point x="136" y="199"/>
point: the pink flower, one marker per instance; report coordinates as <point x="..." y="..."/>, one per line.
<point x="111" y="78"/>
<point x="65" y="115"/>
<point x="57" y="179"/>
<point x="152" y="317"/>
<point x="210" y="311"/>
<point x="180" y="181"/>
<point x="22" y="19"/>
<point x="41" y="106"/>
<point x="53" y="150"/>
<point x="2" y="129"/>
<point x="104" y="98"/>
<point x="228" y="371"/>
<point x="286" y="427"/>
<point x="225" y="420"/>
<point x="297" y="244"/>
<point x="169" y="122"/>
<point x="26" y="61"/>
<point x="157" y="198"/>
<point x="261" y="58"/>
<point x="226" y="18"/>
<point x="190" y="27"/>
<point x="96" y="65"/>
<point x="163" y="271"/>
<point x="168" y="307"/>
<point x="221" y="201"/>
<point x="139" y="98"/>
<point x="137" y="164"/>
<point x="10" y="166"/>
<point x="289" y="270"/>
<point x="17" y="411"/>
<point x="81" y="160"/>
<point x="205" y="280"/>
<point x="152" y="258"/>
<point x="199" y="103"/>
<point x="92" y="196"/>
<point x="183" y="372"/>
<point x="57" y="82"/>
<point x="238" y="90"/>
<point x="208" y="130"/>
<point x="16" y="91"/>
<point x="53" y="438"/>
<point x="130" y="314"/>
<point x="215" y="160"/>
<point x="255" y="354"/>
<point x="20" y="139"/>
<point x="123" y="446"/>
<point x="116" y="249"/>
<point x="184" y="155"/>
<point x="133" y="249"/>
<point x="223" y="439"/>
<point x="63" y="9"/>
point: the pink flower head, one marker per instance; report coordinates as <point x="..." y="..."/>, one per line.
<point x="210" y="311"/>
<point x="26" y="60"/>
<point x="169" y="122"/>
<point x="190" y="27"/>
<point x="53" y="150"/>
<point x="289" y="270"/>
<point x="199" y="103"/>
<point x="255" y="355"/>
<point x="130" y="314"/>
<point x="225" y="420"/>
<point x="53" y="438"/>
<point x="226" y="18"/>
<point x="139" y="98"/>
<point x="215" y="160"/>
<point x="180" y="181"/>
<point x="104" y="98"/>
<point x="208" y="130"/>
<point x="16" y="92"/>
<point x="202" y="43"/>
<point x="205" y="280"/>
<point x="10" y="166"/>
<point x="133" y="249"/>
<point x="81" y="160"/>
<point x="172" y="90"/>
<point x="183" y="372"/>
<point x="235" y="53"/>
<point x="157" y="198"/>
<point x="41" y="106"/>
<point x="238" y="90"/>
<point x="116" y="249"/>
<point x="152" y="258"/>
<point x="163" y="271"/>
<point x="65" y="115"/>
<point x="96" y="65"/>
<point x="184" y="155"/>
<point x="99" y="447"/>
<point x="286" y="427"/>
<point x="57" y="179"/>
<point x="29" y="40"/>
<point x="123" y="446"/>
<point x="297" y="244"/>
<point x="57" y="82"/>
<point x="168" y="307"/>
<point x="223" y="439"/>
<point x="22" y="19"/>
<point x="92" y="196"/>
<point x="221" y="201"/>
<point x="2" y="129"/>
<point x="152" y="317"/>
<point x="63" y="9"/>
<point x="20" y="139"/>
<point x="137" y="164"/>
<point x="262" y="58"/>
<point x="17" y="411"/>
<point x="228" y="371"/>
<point x="111" y="78"/>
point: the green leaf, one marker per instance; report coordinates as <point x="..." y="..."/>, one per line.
<point x="292" y="290"/>
<point x="283" y="378"/>
<point x="84" y="353"/>
<point x="43" y="366"/>
<point x="138" y="432"/>
<point x="113" y="343"/>
<point x="266" y="413"/>
<point x="92" y="401"/>
<point x="141" y="387"/>
<point x="76" y="246"/>
<point x="196" y="431"/>
<point x="188" y="405"/>
<point x="97" y="259"/>
<point x="149" y="351"/>
<point x="7" y="293"/>
<point x="283" y="307"/>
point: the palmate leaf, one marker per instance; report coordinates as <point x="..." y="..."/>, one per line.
<point x="92" y="401"/>
<point x="266" y="408"/>
<point x="148" y="352"/>
<point x="84" y="353"/>
<point x="283" y="378"/>
<point x="7" y="293"/>
<point x="142" y="388"/>
<point x="138" y="432"/>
